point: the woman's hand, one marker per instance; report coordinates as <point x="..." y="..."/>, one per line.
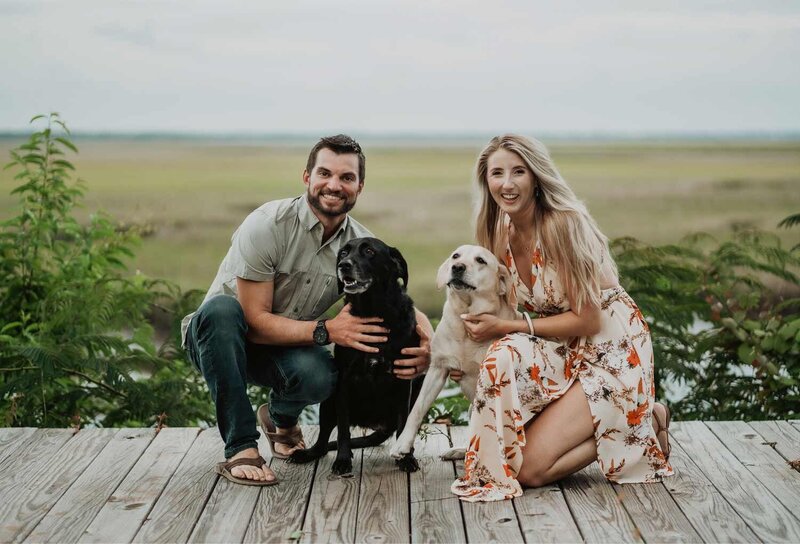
<point x="485" y="327"/>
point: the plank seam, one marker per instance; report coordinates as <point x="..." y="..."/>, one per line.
<point x="22" y="537"/>
<point x="308" y="496"/>
<point x="455" y="475"/>
<point x="689" y="521"/>
<point x="207" y="498"/>
<point x="519" y="522"/>
<point x="166" y="484"/>
<point x="753" y="474"/>
<point x="772" y="444"/>
<point x="689" y="459"/>
<point x="571" y="511"/>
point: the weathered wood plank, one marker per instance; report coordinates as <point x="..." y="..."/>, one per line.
<point x="333" y="504"/>
<point x="596" y="508"/>
<point x="435" y="512"/>
<point x="174" y="515"/>
<point x="655" y="513"/>
<point x="705" y="507"/>
<point x="280" y="509"/>
<point x="12" y="439"/>
<point x="487" y="521"/>
<point x="383" y="508"/>
<point x="33" y="488"/>
<point x="123" y="513"/>
<point x="762" y="461"/>
<point x="544" y="516"/>
<point x="768" y="518"/>
<point x="38" y="446"/>
<point x="76" y="509"/>
<point x="781" y="435"/>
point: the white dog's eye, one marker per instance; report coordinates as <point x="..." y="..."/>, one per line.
<point x="455" y="256"/>
<point x="480" y="260"/>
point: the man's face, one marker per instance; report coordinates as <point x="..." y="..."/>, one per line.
<point x="333" y="184"/>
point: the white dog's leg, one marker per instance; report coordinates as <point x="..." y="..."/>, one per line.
<point x="431" y="386"/>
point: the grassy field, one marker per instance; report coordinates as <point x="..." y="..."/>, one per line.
<point x="192" y="194"/>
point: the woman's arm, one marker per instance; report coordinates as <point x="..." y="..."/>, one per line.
<point x="484" y="327"/>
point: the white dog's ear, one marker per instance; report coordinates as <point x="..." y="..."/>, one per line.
<point x="443" y="275"/>
<point x="505" y="285"/>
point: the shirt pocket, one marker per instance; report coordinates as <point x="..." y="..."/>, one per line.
<point x="325" y="293"/>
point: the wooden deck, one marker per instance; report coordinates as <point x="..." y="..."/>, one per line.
<point x="733" y="483"/>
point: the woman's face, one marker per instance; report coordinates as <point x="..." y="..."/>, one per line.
<point x="510" y="182"/>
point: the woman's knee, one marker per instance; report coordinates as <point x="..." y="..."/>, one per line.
<point x="532" y="476"/>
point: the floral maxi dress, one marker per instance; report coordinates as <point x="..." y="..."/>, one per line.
<point x="522" y="374"/>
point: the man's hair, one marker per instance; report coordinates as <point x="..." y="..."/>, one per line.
<point x="339" y="144"/>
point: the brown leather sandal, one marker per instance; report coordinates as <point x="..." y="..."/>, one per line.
<point x="292" y="439"/>
<point x="663" y="427"/>
<point x="224" y="470"/>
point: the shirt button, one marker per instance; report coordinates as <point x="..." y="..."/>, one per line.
<point x="308" y="281"/>
<point x="295" y="310"/>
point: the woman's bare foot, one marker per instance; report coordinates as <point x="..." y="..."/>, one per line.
<point x="661" y="427"/>
<point x="285" y="449"/>
<point x="251" y="473"/>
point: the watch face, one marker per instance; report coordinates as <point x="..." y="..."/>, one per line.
<point x="321" y="333"/>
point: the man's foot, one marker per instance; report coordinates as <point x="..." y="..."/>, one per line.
<point x="287" y="449"/>
<point x="282" y="441"/>
<point x="262" y="474"/>
<point x="661" y="417"/>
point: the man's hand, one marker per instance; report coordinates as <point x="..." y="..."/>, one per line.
<point x="408" y="369"/>
<point x="350" y="331"/>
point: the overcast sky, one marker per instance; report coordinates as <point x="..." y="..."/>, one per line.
<point x="426" y="66"/>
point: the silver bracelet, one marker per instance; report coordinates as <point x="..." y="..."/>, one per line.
<point x="530" y="323"/>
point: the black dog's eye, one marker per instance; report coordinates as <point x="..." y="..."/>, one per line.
<point x="369" y="252"/>
<point x="342" y="253"/>
<point x="480" y="260"/>
<point x="455" y="256"/>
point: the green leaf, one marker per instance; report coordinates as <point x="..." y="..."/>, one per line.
<point x="745" y="353"/>
<point x="36" y="118"/>
<point x="66" y="143"/>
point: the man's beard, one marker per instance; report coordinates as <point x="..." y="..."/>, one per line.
<point x="316" y="203"/>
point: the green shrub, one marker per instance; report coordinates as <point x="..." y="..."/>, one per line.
<point x="76" y="346"/>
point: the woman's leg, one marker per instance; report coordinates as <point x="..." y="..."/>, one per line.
<point x="559" y="441"/>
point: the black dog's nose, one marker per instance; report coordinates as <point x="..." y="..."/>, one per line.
<point x="345" y="266"/>
<point x="459" y="268"/>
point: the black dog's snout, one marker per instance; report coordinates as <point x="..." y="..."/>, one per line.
<point x="458" y="269"/>
<point x="345" y="266"/>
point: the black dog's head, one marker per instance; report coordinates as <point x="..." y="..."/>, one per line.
<point x="366" y="262"/>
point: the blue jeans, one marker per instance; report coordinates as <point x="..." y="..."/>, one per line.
<point x="297" y="376"/>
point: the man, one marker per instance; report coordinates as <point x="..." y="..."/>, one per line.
<point x="260" y="320"/>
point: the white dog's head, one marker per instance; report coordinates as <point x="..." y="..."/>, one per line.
<point x="475" y="269"/>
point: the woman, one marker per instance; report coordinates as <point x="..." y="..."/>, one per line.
<point x="582" y="371"/>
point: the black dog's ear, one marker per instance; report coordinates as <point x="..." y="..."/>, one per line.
<point x="400" y="264"/>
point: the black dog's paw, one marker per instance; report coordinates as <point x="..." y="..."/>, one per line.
<point x="303" y="456"/>
<point x="342" y="467"/>
<point x="407" y="463"/>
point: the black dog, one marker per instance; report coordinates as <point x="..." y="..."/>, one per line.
<point x="367" y="393"/>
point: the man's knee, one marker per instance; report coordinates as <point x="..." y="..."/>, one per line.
<point x="221" y="312"/>
<point x="314" y="374"/>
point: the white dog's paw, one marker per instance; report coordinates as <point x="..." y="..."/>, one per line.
<point x="455" y="454"/>
<point x="400" y="449"/>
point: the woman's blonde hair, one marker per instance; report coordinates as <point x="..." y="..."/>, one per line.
<point x="570" y="238"/>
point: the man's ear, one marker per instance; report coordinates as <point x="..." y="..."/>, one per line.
<point x="306" y="177"/>
<point x="444" y="274"/>
<point x="505" y="285"/>
<point x="401" y="267"/>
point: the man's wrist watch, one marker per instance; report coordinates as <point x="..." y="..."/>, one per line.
<point x="321" y="337"/>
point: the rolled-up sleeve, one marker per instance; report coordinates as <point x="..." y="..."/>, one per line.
<point x="255" y="250"/>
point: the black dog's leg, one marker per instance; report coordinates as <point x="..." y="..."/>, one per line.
<point x="374" y="439"/>
<point x="327" y="421"/>
<point x="344" y="455"/>
<point x="407" y="463"/>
